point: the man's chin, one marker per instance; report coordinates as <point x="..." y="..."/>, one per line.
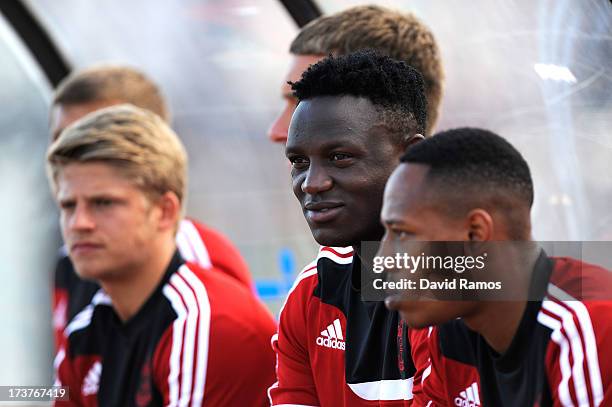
<point x="91" y="273"/>
<point x="329" y="238"/>
<point x="416" y="321"/>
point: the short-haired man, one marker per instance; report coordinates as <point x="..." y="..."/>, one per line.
<point x="356" y="115"/>
<point x="101" y="86"/>
<point x="539" y="338"/>
<point x="401" y="36"/>
<point x="159" y="331"/>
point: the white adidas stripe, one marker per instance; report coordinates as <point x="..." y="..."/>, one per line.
<point x="333" y="330"/>
<point x="588" y="333"/>
<point x="59" y="359"/>
<point x="190" y="337"/>
<point x="335" y="258"/>
<point x="470" y="394"/>
<point x="400" y="389"/>
<point x="190" y="244"/>
<point x="559" y="339"/>
<point x="177" y="340"/>
<point x="573" y="336"/>
<point x="203" y="335"/>
<point x="338" y="329"/>
<point x="563" y="313"/>
<point x="83" y="318"/>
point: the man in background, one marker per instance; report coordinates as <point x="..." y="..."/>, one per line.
<point x="94" y="88"/>
<point x="159" y="331"/>
<point x="401" y="36"/>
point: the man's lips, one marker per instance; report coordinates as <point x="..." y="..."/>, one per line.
<point x="322" y="212"/>
<point x="84" y="247"/>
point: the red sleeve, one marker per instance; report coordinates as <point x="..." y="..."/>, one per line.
<point x="295" y="383"/>
<point x="429" y="387"/>
<point x="72" y="372"/>
<point x="64" y="376"/>
<point x="419" y="351"/>
<point x="216" y="351"/>
<point x="161" y="365"/>
<point x="60" y="301"/>
<point x="224" y="256"/>
<point x="241" y="351"/>
<point x="180" y="359"/>
<point x="60" y="311"/>
<point x="579" y="355"/>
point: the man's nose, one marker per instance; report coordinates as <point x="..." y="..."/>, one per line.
<point x="81" y="219"/>
<point x="317" y="180"/>
<point x="277" y="133"/>
<point x="384" y="248"/>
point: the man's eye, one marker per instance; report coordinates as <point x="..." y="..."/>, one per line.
<point x="102" y="203"/>
<point x="339" y="156"/>
<point x="66" y="206"/>
<point x="402" y="234"/>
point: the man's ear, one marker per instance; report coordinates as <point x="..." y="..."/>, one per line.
<point x="170" y="210"/>
<point x="480" y="225"/>
<point x="415" y="138"/>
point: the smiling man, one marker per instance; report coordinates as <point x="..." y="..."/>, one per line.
<point x="548" y="345"/>
<point x="160" y="331"/>
<point x="357" y="114"/>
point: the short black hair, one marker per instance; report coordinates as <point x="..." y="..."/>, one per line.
<point x="475" y="165"/>
<point x="394" y="88"/>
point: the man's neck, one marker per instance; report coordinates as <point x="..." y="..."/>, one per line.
<point x="498" y="335"/>
<point x="129" y="294"/>
<point x="486" y="318"/>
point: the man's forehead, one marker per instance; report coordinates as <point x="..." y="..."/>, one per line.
<point x="92" y="176"/>
<point x="336" y="109"/>
<point x="63" y="115"/>
<point x="332" y="121"/>
<point x="406" y="187"/>
<point x="298" y="64"/>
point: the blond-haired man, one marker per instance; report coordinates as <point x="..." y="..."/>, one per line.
<point x="159" y="331"/>
<point x="400" y="35"/>
<point x="101" y="86"/>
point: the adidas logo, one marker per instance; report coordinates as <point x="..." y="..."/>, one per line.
<point x="468" y="397"/>
<point x="92" y="380"/>
<point x="332" y="336"/>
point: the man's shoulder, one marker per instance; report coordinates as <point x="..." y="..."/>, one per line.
<point x="328" y="258"/>
<point x="217" y="295"/>
<point x="86" y="331"/>
<point x="579" y="280"/>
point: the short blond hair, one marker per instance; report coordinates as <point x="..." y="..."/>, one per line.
<point x="112" y="83"/>
<point x="401" y="36"/>
<point x="135" y="140"/>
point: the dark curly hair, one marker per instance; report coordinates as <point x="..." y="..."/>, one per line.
<point x="393" y="87"/>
